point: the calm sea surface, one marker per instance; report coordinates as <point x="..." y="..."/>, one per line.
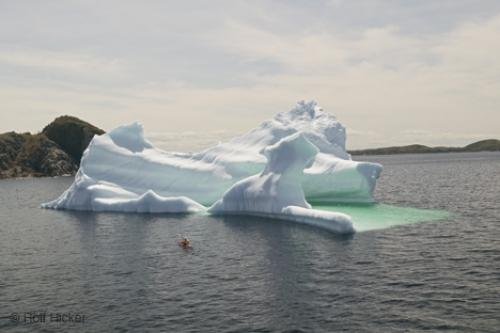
<point x="437" y="268"/>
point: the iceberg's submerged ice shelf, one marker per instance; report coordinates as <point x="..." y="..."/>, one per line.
<point x="368" y="217"/>
<point x="274" y="170"/>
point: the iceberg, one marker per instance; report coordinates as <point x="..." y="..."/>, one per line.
<point x="123" y="171"/>
<point x="88" y="194"/>
<point x="276" y="193"/>
<point x="333" y="177"/>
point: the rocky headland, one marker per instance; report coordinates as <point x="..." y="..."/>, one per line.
<point x="55" y="151"/>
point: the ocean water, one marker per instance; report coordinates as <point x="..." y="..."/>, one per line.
<point x="427" y="258"/>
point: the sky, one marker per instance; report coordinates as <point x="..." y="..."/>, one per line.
<point x="393" y="72"/>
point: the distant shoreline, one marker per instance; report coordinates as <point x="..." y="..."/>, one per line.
<point x="479" y="146"/>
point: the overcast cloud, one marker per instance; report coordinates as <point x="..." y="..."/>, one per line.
<point x="393" y="72"/>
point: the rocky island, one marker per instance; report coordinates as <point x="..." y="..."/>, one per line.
<point x="55" y="151"/>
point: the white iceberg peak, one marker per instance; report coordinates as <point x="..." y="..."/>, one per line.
<point x="306" y="109"/>
<point x="130" y="137"/>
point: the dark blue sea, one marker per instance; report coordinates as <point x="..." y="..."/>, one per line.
<point x="426" y="259"/>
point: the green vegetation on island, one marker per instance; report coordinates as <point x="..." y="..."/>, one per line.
<point x="73" y="135"/>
